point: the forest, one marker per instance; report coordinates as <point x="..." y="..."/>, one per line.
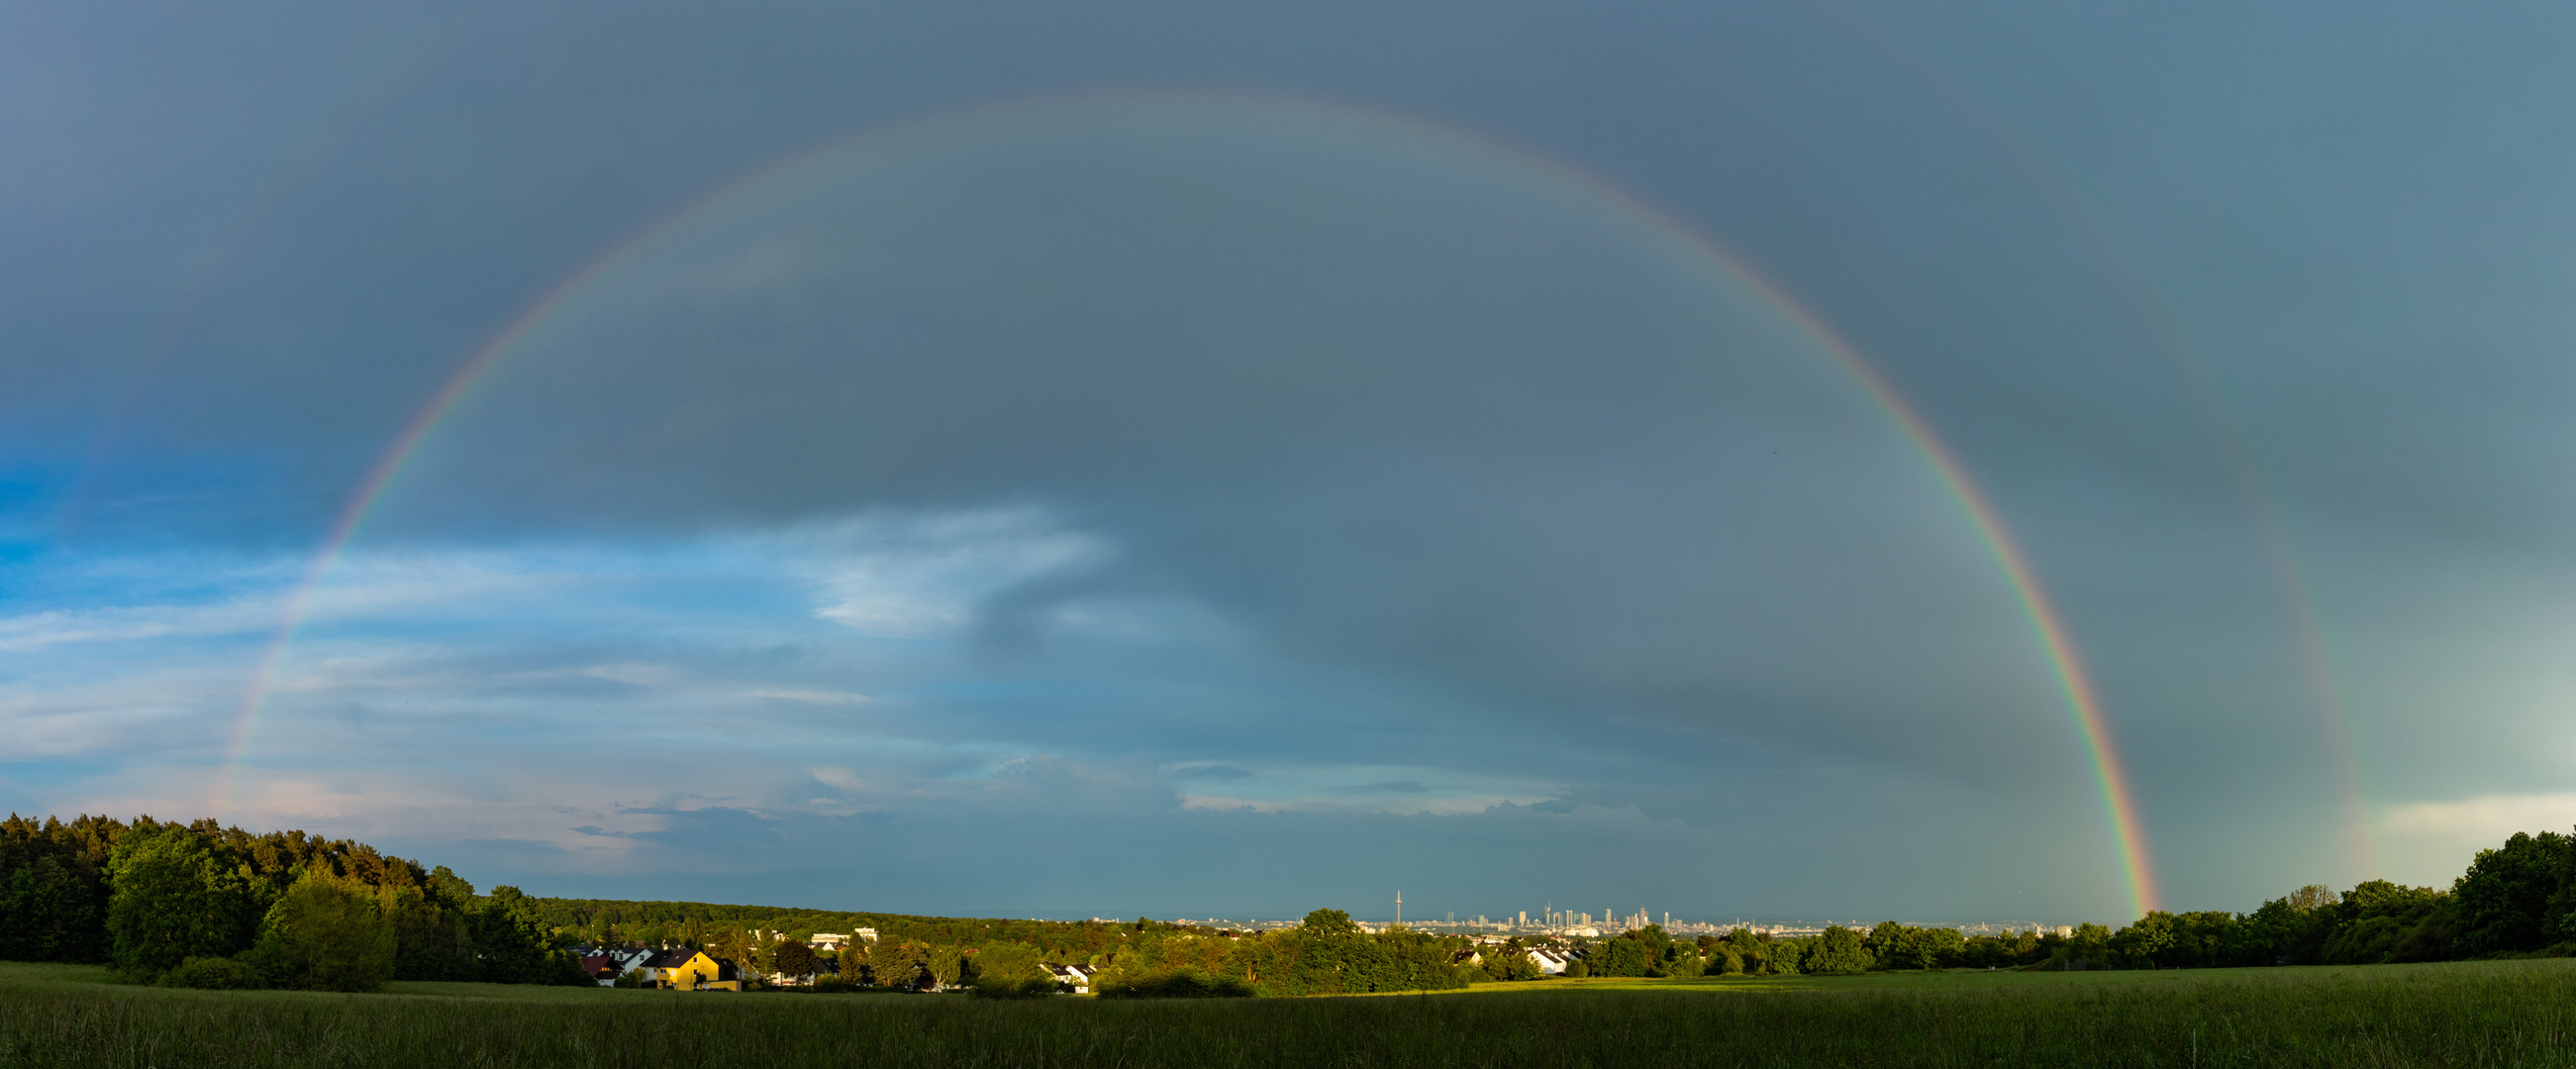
<point x="200" y="905"/>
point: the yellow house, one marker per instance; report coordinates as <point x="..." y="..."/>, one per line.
<point x="691" y="970"/>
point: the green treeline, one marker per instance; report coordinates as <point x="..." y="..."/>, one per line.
<point x="2515" y="901"/>
<point x="703" y="924"/>
<point x="201" y="905"/>
<point x="206" y="906"/>
<point x="1328" y="954"/>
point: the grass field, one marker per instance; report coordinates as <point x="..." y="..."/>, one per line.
<point x="2458" y="1014"/>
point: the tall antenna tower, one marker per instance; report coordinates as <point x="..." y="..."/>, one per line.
<point x="1399" y="906"/>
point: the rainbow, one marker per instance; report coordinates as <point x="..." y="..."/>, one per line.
<point x="2083" y="704"/>
<point x="2315" y="659"/>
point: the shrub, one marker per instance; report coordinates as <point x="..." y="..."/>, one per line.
<point x="176" y="897"/>
<point x="214" y="974"/>
<point x="1023" y="987"/>
<point x="1505" y="964"/>
<point x="324" y="935"/>
<point x="1178" y="983"/>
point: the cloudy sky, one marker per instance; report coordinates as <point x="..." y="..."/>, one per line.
<point x="1052" y="460"/>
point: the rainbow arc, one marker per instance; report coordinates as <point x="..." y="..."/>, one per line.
<point x="2083" y="704"/>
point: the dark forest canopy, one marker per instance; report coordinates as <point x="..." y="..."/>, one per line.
<point x="199" y="904"/>
<point x="211" y="906"/>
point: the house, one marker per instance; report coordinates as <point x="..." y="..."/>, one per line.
<point x="827" y="968"/>
<point x="1078" y="976"/>
<point x="837" y="940"/>
<point x="607" y="964"/>
<point x="1550" y="961"/>
<point x="691" y="970"/>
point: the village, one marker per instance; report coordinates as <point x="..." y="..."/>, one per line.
<point x="814" y="961"/>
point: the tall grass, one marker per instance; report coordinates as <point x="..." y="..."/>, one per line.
<point x="2457" y="1014"/>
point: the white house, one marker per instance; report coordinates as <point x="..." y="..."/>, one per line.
<point x="837" y="940"/>
<point x="1550" y="961"/>
<point x="616" y="962"/>
<point x="1077" y="975"/>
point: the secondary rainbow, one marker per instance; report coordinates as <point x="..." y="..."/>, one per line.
<point x="2316" y="663"/>
<point x="2083" y="704"/>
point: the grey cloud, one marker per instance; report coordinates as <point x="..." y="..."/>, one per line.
<point x="1445" y="458"/>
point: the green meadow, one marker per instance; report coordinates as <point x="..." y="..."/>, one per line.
<point x="2495" y="1013"/>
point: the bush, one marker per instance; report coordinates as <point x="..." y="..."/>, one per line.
<point x="1510" y="965"/>
<point x="176" y="897"/>
<point x="1024" y="987"/>
<point x="324" y="935"/>
<point x="1178" y="983"/>
<point x="214" y="974"/>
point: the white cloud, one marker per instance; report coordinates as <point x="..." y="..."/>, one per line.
<point x="924" y="576"/>
<point x="1405" y="789"/>
<point x="137" y="623"/>
<point x="2432" y="842"/>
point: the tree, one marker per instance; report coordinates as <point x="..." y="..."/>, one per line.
<point x="2513" y="898"/>
<point x="898" y="965"/>
<point x="2385" y="922"/>
<point x="516" y="946"/>
<point x="1783" y="957"/>
<point x="2090" y="943"/>
<point x="1328" y="923"/>
<point x="2141" y="944"/>
<point x="432" y="941"/>
<point x="50" y="909"/>
<point x="1622" y="957"/>
<point x="1508" y="963"/>
<point x="175" y="897"/>
<point x="449" y="889"/>
<point x="2278" y="933"/>
<point x="796" y="960"/>
<point x="1685" y="961"/>
<point x="326" y="934"/>
<point x="1884" y="940"/>
<point x="949" y="965"/>
<point x="1007" y="961"/>
<point x="1838" y="950"/>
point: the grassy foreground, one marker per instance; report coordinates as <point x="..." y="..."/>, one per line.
<point x="2519" y="1013"/>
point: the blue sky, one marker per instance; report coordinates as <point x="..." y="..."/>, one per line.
<point x="1149" y="458"/>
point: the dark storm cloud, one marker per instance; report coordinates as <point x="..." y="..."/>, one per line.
<point x="1414" y="450"/>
